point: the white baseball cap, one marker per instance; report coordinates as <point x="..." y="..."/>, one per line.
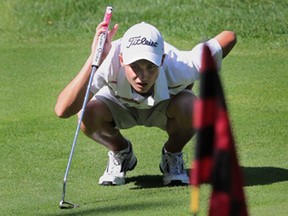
<point x="142" y="41"/>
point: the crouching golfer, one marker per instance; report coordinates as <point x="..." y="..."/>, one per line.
<point x="142" y="80"/>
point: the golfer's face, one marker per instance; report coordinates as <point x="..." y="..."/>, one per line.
<point x="142" y="75"/>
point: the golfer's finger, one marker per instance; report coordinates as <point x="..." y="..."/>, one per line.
<point x="101" y="28"/>
<point x="112" y="32"/>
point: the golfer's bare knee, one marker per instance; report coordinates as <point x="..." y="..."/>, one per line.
<point x="181" y="106"/>
<point x="95" y="116"/>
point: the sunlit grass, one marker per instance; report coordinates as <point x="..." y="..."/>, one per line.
<point x="43" y="44"/>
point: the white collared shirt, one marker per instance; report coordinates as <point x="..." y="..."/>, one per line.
<point x="180" y="69"/>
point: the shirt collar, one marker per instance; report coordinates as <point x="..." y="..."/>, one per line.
<point x="161" y="91"/>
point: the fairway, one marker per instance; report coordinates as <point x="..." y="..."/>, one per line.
<point x="43" y="45"/>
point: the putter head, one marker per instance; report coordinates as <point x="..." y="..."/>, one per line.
<point x="67" y="205"/>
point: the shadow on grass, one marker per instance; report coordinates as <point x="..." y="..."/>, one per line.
<point x="109" y="210"/>
<point x="150" y="181"/>
<point x="263" y="175"/>
<point x="146" y="181"/>
<point x="252" y="176"/>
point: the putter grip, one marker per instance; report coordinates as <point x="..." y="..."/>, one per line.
<point x="102" y="38"/>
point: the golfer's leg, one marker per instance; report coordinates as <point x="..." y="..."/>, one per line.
<point x="179" y="124"/>
<point x="98" y="124"/>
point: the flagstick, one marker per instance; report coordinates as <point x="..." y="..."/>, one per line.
<point x="194" y="204"/>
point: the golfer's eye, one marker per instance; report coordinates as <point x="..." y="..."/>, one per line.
<point x="152" y="67"/>
<point x="134" y="67"/>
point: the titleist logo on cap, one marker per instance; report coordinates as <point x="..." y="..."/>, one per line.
<point x="141" y="41"/>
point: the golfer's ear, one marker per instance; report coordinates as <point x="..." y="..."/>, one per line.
<point x="163" y="58"/>
<point x="121" y="59"/>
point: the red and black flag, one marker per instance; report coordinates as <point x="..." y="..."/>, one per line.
<point x="215" y="155"/>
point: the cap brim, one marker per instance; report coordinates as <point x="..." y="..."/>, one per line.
<point x="129" y="58"/>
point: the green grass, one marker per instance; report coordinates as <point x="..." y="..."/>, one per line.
<point x="43" y="44"/>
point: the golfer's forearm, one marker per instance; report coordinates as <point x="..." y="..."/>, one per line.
<point x="70" y="100"/>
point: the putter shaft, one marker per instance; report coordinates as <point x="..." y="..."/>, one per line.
<point x="94" y="68"/>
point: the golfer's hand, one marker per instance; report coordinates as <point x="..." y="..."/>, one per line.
<point x="107" y="46"/>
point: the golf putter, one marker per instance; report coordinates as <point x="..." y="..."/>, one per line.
<point x="95" y="64"/>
